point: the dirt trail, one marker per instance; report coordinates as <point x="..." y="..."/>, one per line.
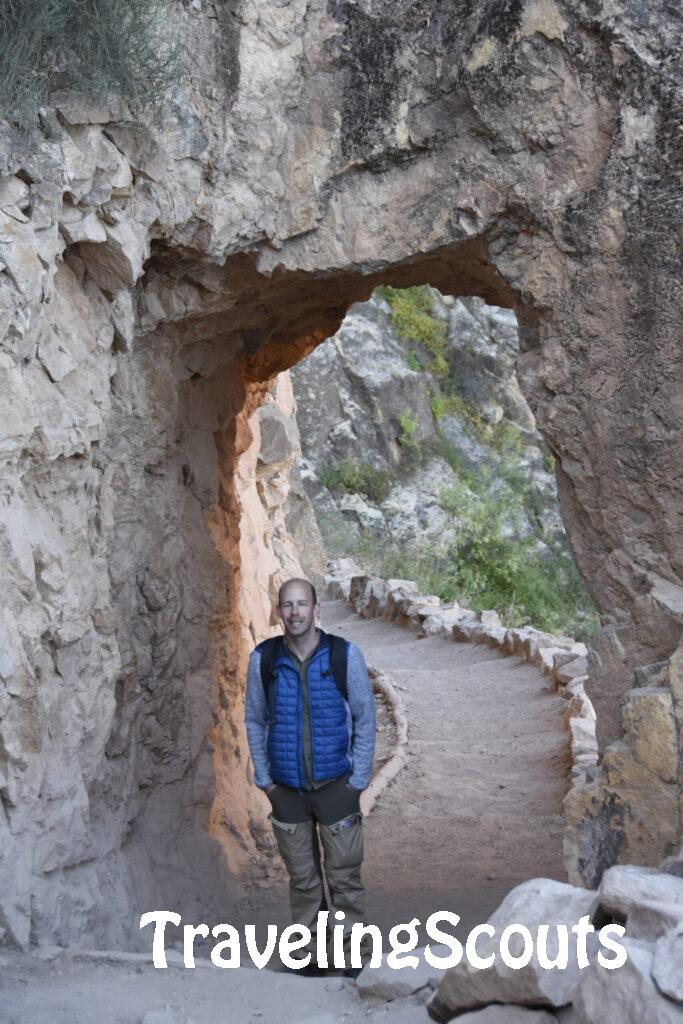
<point x="478" y="807"/>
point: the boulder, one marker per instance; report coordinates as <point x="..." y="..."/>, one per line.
<point x="667" y="964"/>
<point x="673" y="865"/>
<point x="279" y="440"/>
<point x="650" y="729"/>
<point x="651" y="919"/>
<point x="508" y="1015"/>
<point x="360" y="511"/>
<point x="625" y="995"/>
<point x="571" y="670"/>
<point x="352" y="391"/>
<point x="369" y="595"/>
<point x="536" y="902"/>
<point x="624" y="887"/>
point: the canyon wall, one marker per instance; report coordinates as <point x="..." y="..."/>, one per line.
<point x="154" y="279"/>
<point x="386" y="430"/>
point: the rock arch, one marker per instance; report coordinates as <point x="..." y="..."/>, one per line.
<point x="158" y="277"/>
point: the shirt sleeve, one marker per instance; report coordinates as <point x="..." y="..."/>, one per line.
<point x="256" y="720"/>
<point x="362" y="705"/>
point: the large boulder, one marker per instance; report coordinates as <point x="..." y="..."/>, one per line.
<point x="625" y="995"/>
<point x="625" y="887"/>
<point x="667" y="964"/>
<point x="541" y="901"/>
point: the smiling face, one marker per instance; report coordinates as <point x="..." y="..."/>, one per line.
<point x="297" y="610"/>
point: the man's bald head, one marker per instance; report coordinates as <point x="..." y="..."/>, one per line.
<point x="298" y="582"/>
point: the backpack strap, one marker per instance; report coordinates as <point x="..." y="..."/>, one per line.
<point x="339" y="661"/>
<point x="269" y="649"/>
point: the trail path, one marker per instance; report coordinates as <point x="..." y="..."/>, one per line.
<point x="475" y="811"/>
<point x="478" y="807"/>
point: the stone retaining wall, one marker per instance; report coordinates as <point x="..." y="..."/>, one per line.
<point x="561" y="659"/>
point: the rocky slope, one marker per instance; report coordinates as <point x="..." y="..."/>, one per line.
<point x="367" y="399"/>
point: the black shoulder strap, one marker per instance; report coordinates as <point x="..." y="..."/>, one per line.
<point x="268" y="649"/>
<point x="339" y="661"/>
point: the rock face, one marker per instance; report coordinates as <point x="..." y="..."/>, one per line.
<point x="155" y="278"/>
<point x="351" y="392"/>
<point x="356" y="393"/>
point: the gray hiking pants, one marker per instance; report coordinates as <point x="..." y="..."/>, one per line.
<point x="333" y="814"/>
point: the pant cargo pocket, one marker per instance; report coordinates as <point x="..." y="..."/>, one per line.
<point x="298" y="847"/>
<point x="288" y="826"/>
<point x="343" y="842"/>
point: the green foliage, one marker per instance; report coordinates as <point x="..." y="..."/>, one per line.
<point x="98" y="48"/>
<point x="408" y="427"/>
<point x="487" y="565"/>
<point x="548" y="461"/>
<point x="506" y="438"/>
<point x="524" y="589"/>
<point x="353" y="477"/>
<point x="413" y="362"/>
<point x="412" y="320"/>
<point x="455" y="405"/>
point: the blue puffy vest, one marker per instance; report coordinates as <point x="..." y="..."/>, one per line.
<point x="330" y="717"/>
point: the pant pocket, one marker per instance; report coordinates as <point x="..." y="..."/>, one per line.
<point x="343" y="842"/>
<point x="296" y="845"/>
<point x="288" y="826"/>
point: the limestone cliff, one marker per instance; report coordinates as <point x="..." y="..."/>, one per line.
<point x="156" y="277"/>
<point x="381" y="428"/>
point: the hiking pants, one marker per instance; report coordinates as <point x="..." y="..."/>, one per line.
<point x="332" y="813"/>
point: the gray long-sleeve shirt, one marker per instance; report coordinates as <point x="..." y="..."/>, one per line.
<point x="361" y="705"/>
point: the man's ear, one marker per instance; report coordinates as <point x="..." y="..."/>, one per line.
<point x="316" y="614"/>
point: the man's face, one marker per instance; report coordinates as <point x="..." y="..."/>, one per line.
<point x="296" y="609"/>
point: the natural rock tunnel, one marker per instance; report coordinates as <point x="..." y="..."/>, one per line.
<point x="153" y="288"/>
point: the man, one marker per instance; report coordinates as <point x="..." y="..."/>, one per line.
<point x="311" y="736"/>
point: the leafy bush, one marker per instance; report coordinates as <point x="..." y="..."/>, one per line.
<point x="548" y="461"/>
<point x="412" y="320"/>
<point x="524" y="589"/>
<point x="408" y="427"/>
<point x="95" y="47"/>
<point x="485" y="568"/>
<point x="455" y="405"/>
<point x="506" y="438"/>
<point x="352" y="477"/>
<point x="413" y="361"/>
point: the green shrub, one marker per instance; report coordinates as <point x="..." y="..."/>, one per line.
<point x="413" y="361"/>
<point x="98" y="48"/>
<point x="548" y="461"/>
<point x="483" y="568"/>
<point x="408" y="427"/>
<point x="353" y="477"/>
<point x="412" y="320"/>
<point x="506" y="438"/>
<point x="455" y="405"/>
